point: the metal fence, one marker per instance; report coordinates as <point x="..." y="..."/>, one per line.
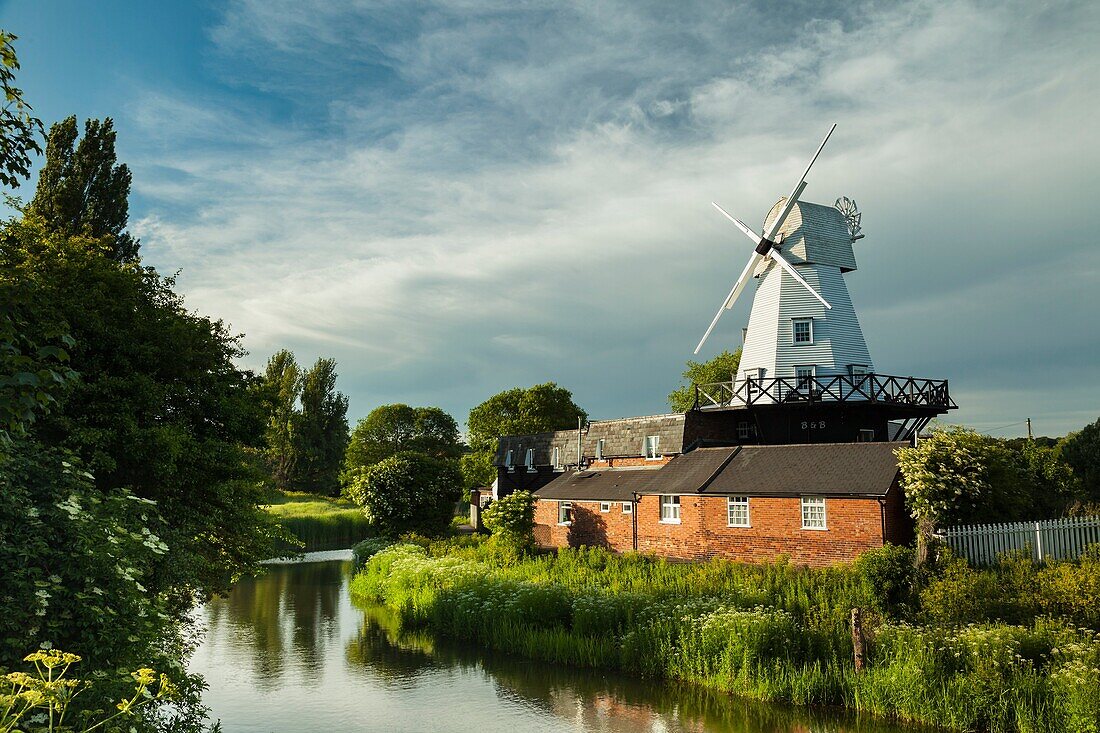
<point x="1050" y="539"/>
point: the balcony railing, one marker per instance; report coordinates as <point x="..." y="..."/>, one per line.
<point x="876" y="388"/>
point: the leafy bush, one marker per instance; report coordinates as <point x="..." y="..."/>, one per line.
<point x="512" y="517"/>
<point x="368" y="548"/>
<point x="408" y="492"/>
<point x="888" y="575"/>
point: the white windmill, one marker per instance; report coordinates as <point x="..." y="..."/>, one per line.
<point x="802" y="325"/>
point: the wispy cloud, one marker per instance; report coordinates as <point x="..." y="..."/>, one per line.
<point x="458" y="197"/>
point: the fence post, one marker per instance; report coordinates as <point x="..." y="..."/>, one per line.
<point x="857" y="638"/>
<point x="1039" y="541"/>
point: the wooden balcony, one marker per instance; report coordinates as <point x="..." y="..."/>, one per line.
<point x="882" y="389"/>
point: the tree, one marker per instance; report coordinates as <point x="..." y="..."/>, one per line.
<point x="19" y="130"/>
<point x="722" y="368"/>
<point x="82" y="190"/>
<point x="320" y="431"/>
<point x="1081" y="450"/>
<point x="407" y="492"/>
<point x="518" y="411"/>
<point x="512" y="518"/>
<point x="1051" y="485"/>
<point x="281" y="389"/>
<point x="392" y="429"/>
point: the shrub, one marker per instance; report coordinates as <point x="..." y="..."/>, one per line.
<point x="408" y="492"/>
<point x="887" y="573"/>
<point x="512" y="517"/>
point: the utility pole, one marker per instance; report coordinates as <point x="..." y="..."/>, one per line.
<point x="1029" y="428"/>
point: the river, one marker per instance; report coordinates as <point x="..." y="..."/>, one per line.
<point x="289" y="652"/>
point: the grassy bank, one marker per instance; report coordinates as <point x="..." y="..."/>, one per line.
<point x="771" y="632"/>
<point x="320" y="522"/>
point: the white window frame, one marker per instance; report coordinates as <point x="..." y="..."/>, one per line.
<point x="794" y="333"/>
<point x="755" y="378"/>
<point x="555" y="460"/>
<point x="508" y="461"/>
<point x="628" y="507"/>
<point x="605" y="507"/>
<point x="858" y="370"/>
<point x="744" y="430"/>
<point x="599" y="449"/>
<point x="738" y="502"/>
<point x="529" y="461"/>
<point x="563" y="507"/>
<point x="805" y="381"/>
<point x="671" y="502"/>
<point x="652" y="447"/>
<point x="813" y="503"/>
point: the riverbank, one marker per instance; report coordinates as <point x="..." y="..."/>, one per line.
<point x="319" y="522"/>
<point x="769" y="632"/>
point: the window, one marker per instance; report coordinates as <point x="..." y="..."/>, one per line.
<point x="857" y="370"/>
<point x="805" y="376"/>
<point x="565" y="512"/>
<point x="754" y="378"/>
<point x="744" y="430"/>
<point x="556" y="461"/>
<point x="670" y="509"/>
<point x="529" y="461"/>
<point x="737" y="511"/>
<point x="628" y="507"/>
<point x="652" y="442"/>
<point x="866" y="435"/>
<point x="508" y="461"/>
<point x="803" y="330"/>
<point x="605" y="507"/>
<point x="599" y="449"/>
<point x="813" y="512"/>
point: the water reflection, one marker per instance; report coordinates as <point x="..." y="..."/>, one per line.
<point x="289" y="652"/>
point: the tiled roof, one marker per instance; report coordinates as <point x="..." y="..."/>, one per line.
<point x="623" y="437"/>
<point x="613" y="484"/>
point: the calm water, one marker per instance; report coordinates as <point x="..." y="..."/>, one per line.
<point x="289" y="652"/>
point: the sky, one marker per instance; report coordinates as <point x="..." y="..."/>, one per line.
<point x="456" y="197"/>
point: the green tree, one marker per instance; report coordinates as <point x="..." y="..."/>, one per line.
<point x="82" y="190"/>
<point x="722" y="368"/>
<point x="1050" y="483"/>
<point x="319" y="431"/>
<point x="1081" y="450"/>
<point x="518" y="411"/>
<point x="19" y="129"/>
<point x="512" y="517"/>
<point x="281" y="388"/>
<point x="392" y="429"/>
<point x="407" y="492"/>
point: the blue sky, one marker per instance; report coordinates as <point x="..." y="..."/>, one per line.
<point x="457" y="197"/>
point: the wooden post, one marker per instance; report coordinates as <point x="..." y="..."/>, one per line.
<point x="475" y="509"/>
<point x="857" y="638"/>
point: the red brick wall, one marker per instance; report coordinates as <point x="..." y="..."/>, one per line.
<point x="632" y="461"/>
<point x="854" y="525"/>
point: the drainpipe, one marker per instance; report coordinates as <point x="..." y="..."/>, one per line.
<point x="882" y="514"/>
<point x="636" y="497"/>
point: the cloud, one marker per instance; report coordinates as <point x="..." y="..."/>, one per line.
<point x="458" y="197"/>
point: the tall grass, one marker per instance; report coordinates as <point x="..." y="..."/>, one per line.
<point x="319" y="522"/>
<point x="771" y="632"/>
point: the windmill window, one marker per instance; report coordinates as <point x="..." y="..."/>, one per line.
<point x="805" y="376"/>
<point x="857" y="370"/>
<point x="755" y="379"/>
<point x="508" y="461"/>
<point x="813" y="512"/>
<point x="628" y="507"/>
<point x="599" y="449"/>
<point x="652" y="444"/>
<point x="529" y="461"/>
<point x="803" y="331"/>
<point x="737" y="511"/>
<point x="744" y="430"/>
<point x="565" y="513"/>
<point x="556" y="461"/>
<point x="670" y="509"/>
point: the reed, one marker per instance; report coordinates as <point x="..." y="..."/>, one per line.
<point x="319" y="522"/>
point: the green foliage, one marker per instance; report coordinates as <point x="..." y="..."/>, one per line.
<point x="48" y="693"/>
<point x="392" y="429"/>
<point x="19" y="129"/>
<point x="32" y="374"/>
<point x="722" y="368"/>
<point x="319" y="522"/>
<point x="319" y="431"/>
<point x="478" y="469"/>
<point x="888" y="573"/>
<point x="368" y="548"/>
<point x="1081" y="450"/>
<point x="280" y="390"/>
<point x="512" y="517"/>
<point x="82" y="190"/>
<point x="160" y="407"/>
<point x="518" y="411"/>
<point x="408" y="492"/>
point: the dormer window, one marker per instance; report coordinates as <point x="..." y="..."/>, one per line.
<point x="803" y="330"/>
<point x="652" y="447"/>
<point x="508" y="461"/>
<point x="556" y="459"/>
<point x="599" y="449"/>
<point x="529" y="461"/>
